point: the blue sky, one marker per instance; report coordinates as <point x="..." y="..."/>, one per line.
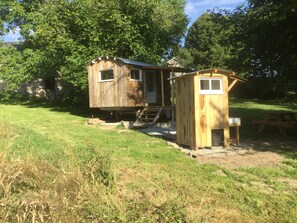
<point x="193" y="9"/>
<point x="196" y="8"/>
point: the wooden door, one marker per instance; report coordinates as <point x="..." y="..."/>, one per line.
<point x="151" y="94"/>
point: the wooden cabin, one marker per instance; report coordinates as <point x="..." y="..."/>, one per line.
<point x="202" y="113"/>
<point x="118" y="84"/>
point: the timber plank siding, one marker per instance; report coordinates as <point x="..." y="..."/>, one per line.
<point x="115" y="93"/>
<point x="202" y="109"/>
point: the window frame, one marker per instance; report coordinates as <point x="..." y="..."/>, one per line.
<point x="210" y="90"/>
<point x="140" y="75"/>
<point x="105" y="80"/>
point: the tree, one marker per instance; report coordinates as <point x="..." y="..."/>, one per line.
<point x="208" y="42"/>
<point x="268" y="32"/>
<point x="66" y="35"/>
<point x="184" y="56"/>
<point x="11" y="70"/>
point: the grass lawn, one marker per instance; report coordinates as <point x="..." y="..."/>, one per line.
<point x="56" y="168"/>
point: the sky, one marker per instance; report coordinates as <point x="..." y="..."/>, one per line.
<point x="193" y="9"/>
<point x="196" y="8"/>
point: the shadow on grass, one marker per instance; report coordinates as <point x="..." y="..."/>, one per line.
<point x="81" y="110"/>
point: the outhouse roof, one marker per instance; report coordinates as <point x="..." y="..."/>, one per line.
<point x="228" y="73"/>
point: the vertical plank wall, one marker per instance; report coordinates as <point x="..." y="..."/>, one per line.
<point x="197" y="114"/>
<point x="211" y="113"/>
<point x="134" y="89"/>
<point x="108" y="93"/>
<point x="185" y="111"/>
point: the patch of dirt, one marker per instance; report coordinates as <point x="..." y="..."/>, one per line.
<point x="288" y="181"/>
<point x="258" y="159"/>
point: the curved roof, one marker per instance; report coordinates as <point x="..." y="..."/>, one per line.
<point x="229" y="73"/>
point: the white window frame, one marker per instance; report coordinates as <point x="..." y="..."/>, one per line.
<point x="210" y="90"/>
<point x="100" y="75"/>
<point x="140" y="75"/>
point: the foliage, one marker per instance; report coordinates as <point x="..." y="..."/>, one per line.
<point x="184" y="57"/>
<point x="270" y="34"/>
<point x="208" y="41"/>
<point x="65" y="35"/>
<point x="267" y="35"/>
<point x="257" y="41"/>
<point x="11" y="69"/>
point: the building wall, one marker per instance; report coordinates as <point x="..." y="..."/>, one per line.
<point x="35" y="88"/>
<point x="185" y="111"/>
<point x="135" y="89"/>
<point x="211" y="113"/>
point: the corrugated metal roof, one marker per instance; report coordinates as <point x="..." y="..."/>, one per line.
<point x="125" y="61"/>
<point x="135" y="63"/>
<point x="141" y="64"/>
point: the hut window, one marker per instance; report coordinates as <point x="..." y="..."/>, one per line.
<point x="105" y="75"/>
<point x="135" y="75"/>
<point x="211" y="86"/>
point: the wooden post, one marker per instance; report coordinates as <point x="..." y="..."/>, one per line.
<point x="172" y="83"/>
<point x="162" y="88"/>
<point x="144" y="87"/>
<point x="232" y="84"/>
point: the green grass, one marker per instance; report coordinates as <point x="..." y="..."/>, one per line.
<point x="56" y="168"/>
<point x="250" y="110"/>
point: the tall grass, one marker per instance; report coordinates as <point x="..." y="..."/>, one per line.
<point x="34" y="190"/>
<point x="78" y="187"/>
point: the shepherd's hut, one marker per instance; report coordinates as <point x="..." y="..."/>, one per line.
<point x="119" y="85"/>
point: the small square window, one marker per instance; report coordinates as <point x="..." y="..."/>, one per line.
<point x="215" y="85"/>
<point x="135" y="75"/>
<point x="204" y="84"/>
<point x="106" y="75"/>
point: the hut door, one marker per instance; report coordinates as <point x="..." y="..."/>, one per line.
<point x="151" y="87"/>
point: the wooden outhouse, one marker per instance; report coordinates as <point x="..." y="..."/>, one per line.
<point x="118" y="84"/>
<point x="202" y="113"/>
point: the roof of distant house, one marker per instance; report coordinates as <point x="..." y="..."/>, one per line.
<point x="174" y="62"/>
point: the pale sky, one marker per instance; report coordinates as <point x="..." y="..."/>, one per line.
<point x="193" y="9"/>
<point x="196" y="8"/>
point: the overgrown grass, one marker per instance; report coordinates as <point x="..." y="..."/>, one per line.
<point x="55" y="168"/>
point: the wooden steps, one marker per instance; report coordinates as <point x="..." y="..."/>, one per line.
<point x="148" y="116"/>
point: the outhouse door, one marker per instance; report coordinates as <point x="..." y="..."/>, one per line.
<point x="151" y="95"/>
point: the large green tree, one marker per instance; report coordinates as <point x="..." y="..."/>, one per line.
<point x="66" y="35"/>
<point x="208" y="41"/>
<point x="10" y="68"/>
<point x="268" y="29"/>
<point x="258" y="41"/>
